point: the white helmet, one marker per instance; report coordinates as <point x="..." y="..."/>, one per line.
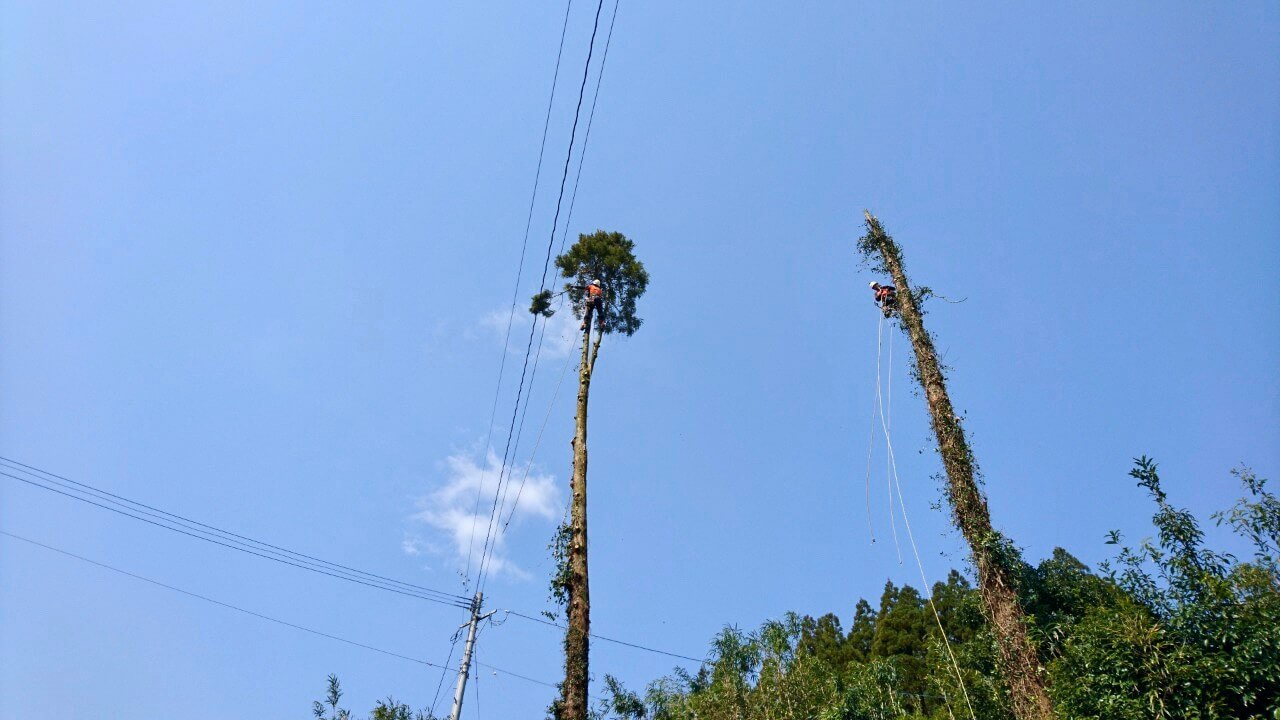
<point x="595" y="282"/>
<point x="875" y="284"/>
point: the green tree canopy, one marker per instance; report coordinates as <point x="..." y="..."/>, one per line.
<point x="608" y="257"/>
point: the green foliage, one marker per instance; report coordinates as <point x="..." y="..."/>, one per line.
<point x="620" y="703"/>
<point x="328" y="708"/>
<point x="871" y="244"/>
<point x="1057" y="594"/>
<point x="541" y="304"/>
<point x="559" y="586"/>
<point x="1169" y="630"/>
<point x="1196" y="633"/>
<point x="608" y="257"/>
<point x="1174" y="630"/>
<point x="389" y="709"/>
<point x="1257" y="520"/>
<point x="891" y="664"/>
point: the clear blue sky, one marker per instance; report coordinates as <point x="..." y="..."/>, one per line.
<point x="250" y="258"/>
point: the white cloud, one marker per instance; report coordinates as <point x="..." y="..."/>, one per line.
<point x="561" y="334"/>
<point x="411" y="546"/>
<point x="451" y="510"/>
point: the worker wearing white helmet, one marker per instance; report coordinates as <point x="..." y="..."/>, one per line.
<point x="594" y="304"/>
<point x="886" y="297"/>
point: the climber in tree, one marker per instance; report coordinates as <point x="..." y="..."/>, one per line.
<point x="593" y="304"/>
<point x="886" y="296"/>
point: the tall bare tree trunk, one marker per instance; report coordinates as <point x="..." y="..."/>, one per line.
<point x="1019" y="664"/>
<point x="577" y="635"/>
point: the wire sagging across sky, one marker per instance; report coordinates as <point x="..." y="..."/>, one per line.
<point x="261" y="616"/>
<point x="182" y="525"/>
<point x="495" y="513"/>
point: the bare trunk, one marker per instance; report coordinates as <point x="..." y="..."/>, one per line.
<point x="577" y="635"/>
<point x="1019" y="664"/>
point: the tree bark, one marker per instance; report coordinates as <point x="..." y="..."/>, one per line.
<point x="1019" y="664"/>
<point x="577" y="634"/>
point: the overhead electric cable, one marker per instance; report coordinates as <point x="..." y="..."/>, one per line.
<point x="582" y="153"/>
<point x="261" y="616"/>
<point x="529" y="463"/>
<point x="220" y="603"/>
<point x="608" y="639"/>
<point x="226" y="539"/>
<point x="538" y="442"/>
<point x="453" y="645"/>
<point x="586" y="71"/>
<point x="515" y="293"/>
<point x="586" y="137"/>
<point x="174" y="517"/>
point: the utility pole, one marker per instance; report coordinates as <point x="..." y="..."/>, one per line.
<point x="471" y="626"/>
<point x="993" y="554"/>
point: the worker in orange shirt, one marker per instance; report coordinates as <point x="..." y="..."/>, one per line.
<point x="886" y="297"/>
<point x="594" y="305"/>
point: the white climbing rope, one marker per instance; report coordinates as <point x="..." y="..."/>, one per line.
<point x="871" y="435"/>
<point x="879" y="407"/>
<point x="906" y="521"/>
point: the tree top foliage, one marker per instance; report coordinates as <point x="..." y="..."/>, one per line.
<point x="610" y="258"/>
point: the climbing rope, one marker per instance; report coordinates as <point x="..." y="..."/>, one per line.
<point x="878" y="406"/>
<point x="906" y="521"/>
<point x="888" y="414"/>
<point x="871" y="436"/>
<point x="895" y="484"/>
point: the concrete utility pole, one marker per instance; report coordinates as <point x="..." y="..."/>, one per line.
<point x="461" y="689"/>
<point x="991" y="551"/>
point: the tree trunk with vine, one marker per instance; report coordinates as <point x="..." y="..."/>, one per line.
<point x="994" y="556"/>
<point x="573" y="704"/>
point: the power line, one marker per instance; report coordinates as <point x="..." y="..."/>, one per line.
<point x="573" y="199"/>
<point x="608" y="639"/>
<point x="453" y="645"/>
<point x="500" y="531"/>
<point x="538" y="442"/>
<point x="261" y="616"/>
<point x="586" y="71"/>
<point x="104" y="494"/>
<point x="533" y="196"/>
<point x="191" y="528"/>
<point x="229" y="606"/>
<point x="586" y="138"/>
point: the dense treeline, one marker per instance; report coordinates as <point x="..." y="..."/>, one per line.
<point x="1169" y="629"/>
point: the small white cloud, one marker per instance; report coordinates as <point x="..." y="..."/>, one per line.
<point x="411" y="546"/>
<point x="451" y="509"/>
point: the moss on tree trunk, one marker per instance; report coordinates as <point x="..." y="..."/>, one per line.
<point x="993" y="555"/>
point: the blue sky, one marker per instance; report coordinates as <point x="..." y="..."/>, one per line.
<point x="251" y="259"/>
